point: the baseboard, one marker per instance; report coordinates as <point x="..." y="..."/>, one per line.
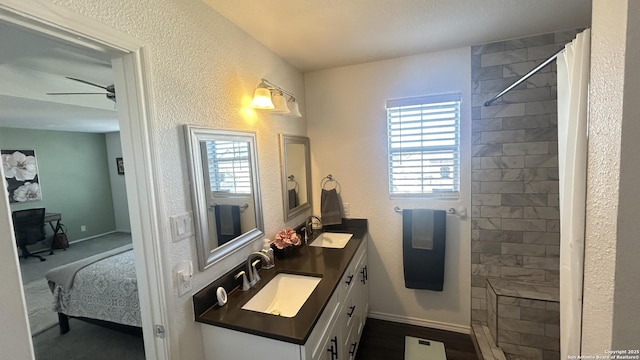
<point x="92" y="237"/>
<point x="421" y="322"/>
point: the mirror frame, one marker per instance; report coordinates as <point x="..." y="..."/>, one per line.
<point x="284" y="141"/>
<point x="207" y="256"/>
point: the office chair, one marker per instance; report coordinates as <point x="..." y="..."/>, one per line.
<point x="28" y="226"/>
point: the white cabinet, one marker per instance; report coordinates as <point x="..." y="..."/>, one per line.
<point x="335" y="336"/>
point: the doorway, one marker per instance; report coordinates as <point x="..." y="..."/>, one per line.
<point x="126" y="54"/>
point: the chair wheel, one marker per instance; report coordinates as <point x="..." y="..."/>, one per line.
<point x="43" y="259"/>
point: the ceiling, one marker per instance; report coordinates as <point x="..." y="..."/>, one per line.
<point x="309" y="34"/>
<point x="31" y="65"/>
<point x="320" y="34"/>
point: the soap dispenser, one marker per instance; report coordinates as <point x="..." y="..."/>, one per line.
<point x="267" y="250"/>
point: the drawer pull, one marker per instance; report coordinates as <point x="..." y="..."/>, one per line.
<point x="364" y="274"/>
<point x="352" y="352"/>
<point x="352" y="309"/>
<point x="334" y="348"/>
<point x="348" y="282"/>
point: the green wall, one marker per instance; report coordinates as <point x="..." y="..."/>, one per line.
<point x="74" y="177"/>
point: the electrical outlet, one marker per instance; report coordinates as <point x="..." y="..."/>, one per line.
<point x="83" y="228"/>
<point x="184" y="272"/>
<point x="184" y="282"/>
<point x="347" y="209"/>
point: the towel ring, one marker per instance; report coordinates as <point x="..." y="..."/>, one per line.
<point x="291" y="179"/>
<point x="327" y="180"/>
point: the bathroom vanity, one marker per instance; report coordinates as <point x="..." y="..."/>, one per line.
<point x="327" y="326"/>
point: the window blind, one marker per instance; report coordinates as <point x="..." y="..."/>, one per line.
<point x="229" y="170"/>
<point x="424" y="146"/>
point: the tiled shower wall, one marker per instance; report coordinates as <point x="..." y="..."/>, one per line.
<point x="515" y="217"/>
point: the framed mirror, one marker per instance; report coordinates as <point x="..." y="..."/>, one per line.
<point x="295" y="162"/>
<point x="223" y="170"/>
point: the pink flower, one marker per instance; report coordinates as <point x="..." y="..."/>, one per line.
<point x="286" y="237"/>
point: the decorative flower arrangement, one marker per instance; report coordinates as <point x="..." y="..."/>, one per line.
<point x="285" y="238"/>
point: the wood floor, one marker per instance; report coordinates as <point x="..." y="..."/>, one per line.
<point x="384" y="340"/>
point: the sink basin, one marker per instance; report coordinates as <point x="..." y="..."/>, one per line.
<point x="284" y="295"/>
<point x="332" y="240"/>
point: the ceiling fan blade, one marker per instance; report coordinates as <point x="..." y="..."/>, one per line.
<point x="88" y="83"/>
<point x="66" y="93"/>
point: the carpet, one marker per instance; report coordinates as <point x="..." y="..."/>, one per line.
<point x="87" y="342"/>
<point x="40" y="306"/>
<point x="418" y="349"/>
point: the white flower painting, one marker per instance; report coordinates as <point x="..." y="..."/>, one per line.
<point x="21" y="175"/>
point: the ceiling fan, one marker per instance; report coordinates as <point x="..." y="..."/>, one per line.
<point x="110" y="90"/>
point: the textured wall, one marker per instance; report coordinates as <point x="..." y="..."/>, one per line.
<point x="203" y="71"/>
<point x="610" y="309"/>
<point x="515" y="166"/>
<point x="348" y="130"/>
<point x="74" y="177"/>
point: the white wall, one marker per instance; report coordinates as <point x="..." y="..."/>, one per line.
<point x="203" y="71"/>
<point x="118" y="189"/>
<point x="347" y="124"/>
<point x="610" y="310"/>
<point x="15" y="341"/>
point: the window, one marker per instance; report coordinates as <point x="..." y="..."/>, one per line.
<point x="229" y="170"/>
<point x="424" y="146"/>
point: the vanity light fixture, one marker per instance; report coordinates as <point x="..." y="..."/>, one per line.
<point x="279" y="102"/>
<point x="293" y="107"/>
<point x="262" y="97"/>
<point x="271" y="97"/>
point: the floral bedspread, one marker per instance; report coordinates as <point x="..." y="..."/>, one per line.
<point x="105" y="290"/>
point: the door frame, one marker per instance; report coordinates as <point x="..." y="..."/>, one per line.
<point x="135" y="108"/>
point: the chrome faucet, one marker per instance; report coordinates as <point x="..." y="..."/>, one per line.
<point x="251" y="266"/>
<point x="308" y="226"/>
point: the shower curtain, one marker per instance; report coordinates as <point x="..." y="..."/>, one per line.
<point x="573" y="79"/>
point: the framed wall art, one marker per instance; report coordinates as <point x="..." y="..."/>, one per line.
<point x="21" y="175"/>
<point x="120" y="166"/>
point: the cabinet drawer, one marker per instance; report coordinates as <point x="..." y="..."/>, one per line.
<point x="321" y="331"/>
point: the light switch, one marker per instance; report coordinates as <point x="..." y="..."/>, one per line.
<point x="181" y="226"/>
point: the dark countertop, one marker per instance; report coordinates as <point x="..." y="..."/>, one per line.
<point x="309" y="260"/>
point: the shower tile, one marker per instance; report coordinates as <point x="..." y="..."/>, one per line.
<point x="502" y="162"/>
<point x="541" y="238"/>
<point x="501" y="211"/>
<point x="542" y="212"/>
<point x="531" y="41"/>
<point x="524" y="225"/>
<point x="486" y="125"/>
<point x="526" y="122"/>
<point x="501" y="137"/>
<point x="529" y="148"/>
<point x="501" y="187"/>
<point x="503" y="57"/>
<point x="524" y="199"/>
<point x="500" y="235"/>
<point x="544" y="161"/>
<point x="521" y="68"/>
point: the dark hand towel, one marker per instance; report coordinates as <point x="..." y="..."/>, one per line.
<point x="330" y="207"/>
<point x="294" y="200"/>
<point x="423" y="248"/>
<point x="227" y="222"/>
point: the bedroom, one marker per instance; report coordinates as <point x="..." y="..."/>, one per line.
<point x="181" y="97"/>
<point x="76" y="144"/>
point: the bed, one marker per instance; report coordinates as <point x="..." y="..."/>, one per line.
<point x="102" y="289"/>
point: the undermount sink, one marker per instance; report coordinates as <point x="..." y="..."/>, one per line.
<point x="284" y="295"/>
<point x="331" y="240"/>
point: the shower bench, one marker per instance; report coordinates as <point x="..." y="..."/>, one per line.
<point x="524" y="318"/>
